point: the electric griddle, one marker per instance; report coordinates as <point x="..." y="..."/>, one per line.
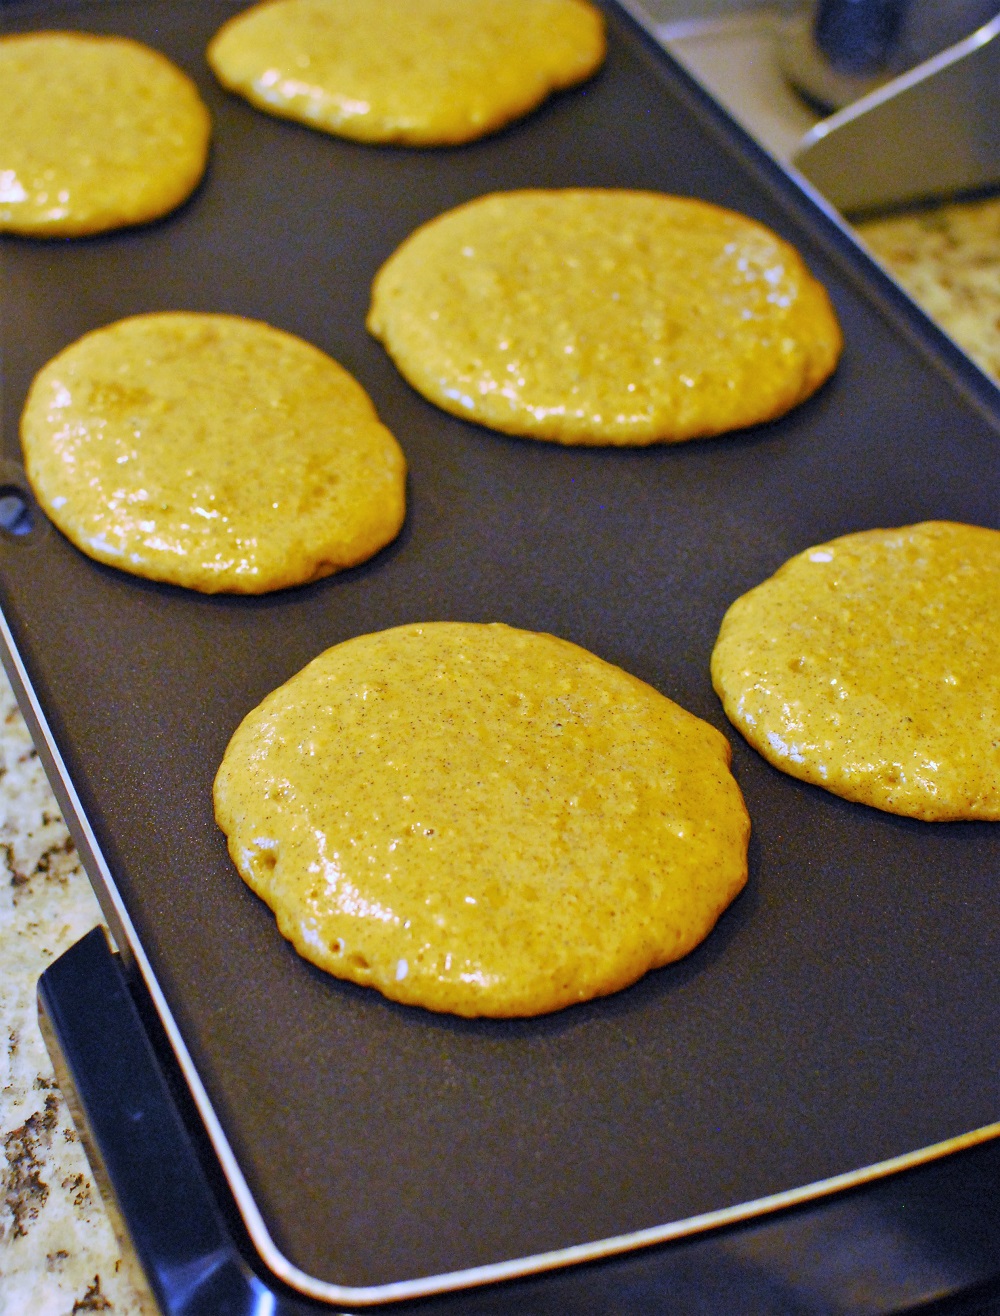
<point x="799" y="1117"/>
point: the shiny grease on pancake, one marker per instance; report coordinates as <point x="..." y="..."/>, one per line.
<point x="95" y="133"/>
<point x="870" y="665"/>
<point x="604" y="317"/>
<point x="482" y="820"/>
<point x="212" y="452"/>
<point x="419" y="72"/>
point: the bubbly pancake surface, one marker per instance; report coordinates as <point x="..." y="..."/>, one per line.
<point x="95" y="133"/>
<point x="212" y="452"/>
<point x="482" y="820"/>
<point x="604" y="316"/>
<point x="419" y="72"/>
<point x="870" y="665"/>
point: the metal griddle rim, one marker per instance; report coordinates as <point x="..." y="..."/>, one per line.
<point x="128" y="941"/>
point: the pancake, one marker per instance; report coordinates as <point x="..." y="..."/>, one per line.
<point x="420" y="72"/>
<point x="604" y="317"/>
<point x="482" y="820"/>
<point x="869" y="666"/>
<point x="95" y="133"/>
<point x="212" y="452"/>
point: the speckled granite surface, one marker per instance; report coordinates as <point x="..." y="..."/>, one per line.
<point x="58" y="1255"/>
<point x="948" y="260"/>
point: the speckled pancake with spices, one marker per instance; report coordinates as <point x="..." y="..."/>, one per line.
<point x="95" y="133"/>
<point x="212" y="452"/>
<point x="871" y="666"/>
<point x="482" y="820"/>
<point x="604" y="317"/>
<point x="418" y="72"/>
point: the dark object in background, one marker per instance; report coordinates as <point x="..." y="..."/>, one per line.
<point x="836" y="51"/>
<point x="858" y="37"/>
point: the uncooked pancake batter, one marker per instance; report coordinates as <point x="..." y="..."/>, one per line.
<point x="871" y="666"/>
<point x="418" y="72"/>
<point x="212" y="452"/>
<point x="95" y="133"/>
<point x="482" y="820"/>
<point x="592" y="316"/>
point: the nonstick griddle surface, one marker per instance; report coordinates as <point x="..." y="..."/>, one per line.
<point x="842" y="1012"/>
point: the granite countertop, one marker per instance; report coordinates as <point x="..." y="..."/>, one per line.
<point x="58" y="1255"/>
<point x="948" y="259"/>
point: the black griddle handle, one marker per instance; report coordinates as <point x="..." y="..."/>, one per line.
<point x="138" y="1146"/>
<point x="929" y="1233"/>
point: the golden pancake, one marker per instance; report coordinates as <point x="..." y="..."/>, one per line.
<point x="604" y="317"/>
<point x="212" y="452"/>
<point x="95" y="133"/>
<point x="871" y="666"/>
<point x="482" y="820"/>
<point x="421" y="72"/>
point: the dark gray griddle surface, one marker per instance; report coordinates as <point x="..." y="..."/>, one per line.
<point x="843" y="1011"/>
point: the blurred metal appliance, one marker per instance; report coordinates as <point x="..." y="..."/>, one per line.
<point x="922" y="117"/>
<point x="934" y="130"/>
